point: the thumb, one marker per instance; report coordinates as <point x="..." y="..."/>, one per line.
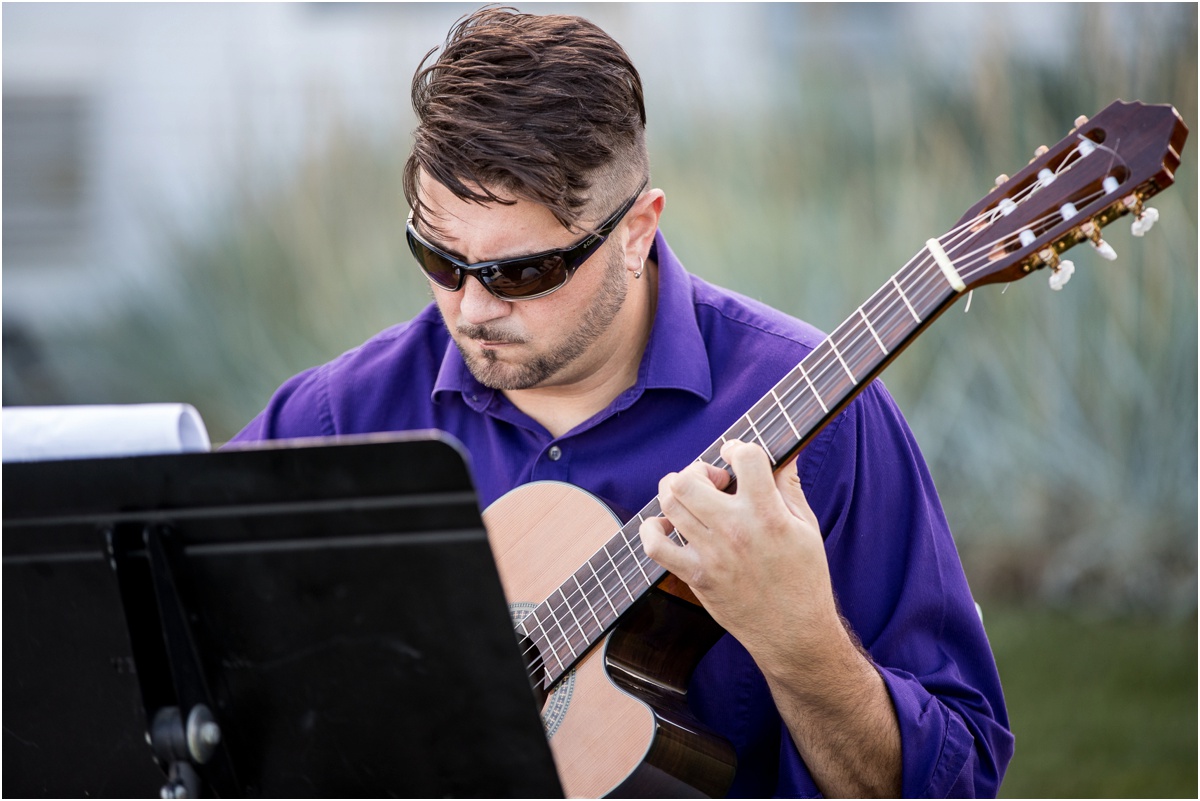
<point x="788" y="482"/>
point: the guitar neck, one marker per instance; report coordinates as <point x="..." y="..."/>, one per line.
<point x="576" y="616"/>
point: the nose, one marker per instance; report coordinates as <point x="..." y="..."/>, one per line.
<point x="478" y="306"/>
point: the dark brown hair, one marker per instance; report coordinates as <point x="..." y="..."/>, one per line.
<point x="544" y="108"/>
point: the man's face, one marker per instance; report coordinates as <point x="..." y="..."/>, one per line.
<point x="555" y="340"/>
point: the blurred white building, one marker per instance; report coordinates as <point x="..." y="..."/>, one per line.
<point x="125" y="121"/>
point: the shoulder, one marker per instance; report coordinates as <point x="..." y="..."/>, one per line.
<point x="723" y="311"/>
<point x="749" y="345"/>
<point x="414" y="347"/>
<point x="357" y="391"/>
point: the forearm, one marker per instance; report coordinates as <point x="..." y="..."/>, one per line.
<point x="840" y="715"/>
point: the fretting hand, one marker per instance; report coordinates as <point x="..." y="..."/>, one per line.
<point x="754" y="558"/>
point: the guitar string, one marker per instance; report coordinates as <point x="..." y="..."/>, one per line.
<point x="922" y="273"/>
<point x="858" y="337"/>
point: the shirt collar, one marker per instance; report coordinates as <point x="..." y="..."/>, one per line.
<point x="454" y="377"/>
<point x="675" y="357"/>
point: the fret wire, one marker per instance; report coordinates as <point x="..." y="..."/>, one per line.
<point x="587" y="601"/>
<point x="621" y="578"/>
<point x="595" y="596"/>
<point x="577" y="624"/>
<point x="603" y="587"/>
<point x="898" y="321"/>
<point x="786" y="416"/>
<point x="875" y="334"/>
<point x="804" y="415"/>
<point x="738" y="431"/>
<point x="777" y="432"/>
<point x="836" y="352"/>
<point x="636" y="562"/>
<point x="862" y="353"/>
<point x="904" y="297"/>
<point x="608" y="586"/>
<point x="888" y="316"/>
<point x="825" y="373"/>
<point x="899" y="326"/>
<point x="773" y="431"/>
<point x="811" y="386"/>
<point x="794" y="396"/>
<point x="549" y="645"/>
<point x="758" y="436"/>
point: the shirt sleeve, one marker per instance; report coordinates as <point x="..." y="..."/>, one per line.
<point x="900" y="585"/>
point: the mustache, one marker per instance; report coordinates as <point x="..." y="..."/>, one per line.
<point x="487" y="334"/>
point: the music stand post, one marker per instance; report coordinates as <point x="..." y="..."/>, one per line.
<point x="295" y="619"/>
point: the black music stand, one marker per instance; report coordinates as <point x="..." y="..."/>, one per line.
<point x="301" y="619"/>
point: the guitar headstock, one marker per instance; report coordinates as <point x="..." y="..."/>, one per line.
<point x="1103" y="169"/>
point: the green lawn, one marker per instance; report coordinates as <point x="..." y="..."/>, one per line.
<point x="1099" y="708"/>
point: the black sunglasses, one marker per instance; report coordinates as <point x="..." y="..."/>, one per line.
<point x="520" y="278"/>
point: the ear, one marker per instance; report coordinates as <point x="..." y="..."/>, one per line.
<point x="641" y="223"/>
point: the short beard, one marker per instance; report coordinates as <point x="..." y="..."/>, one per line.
<point x="540" y="369"/>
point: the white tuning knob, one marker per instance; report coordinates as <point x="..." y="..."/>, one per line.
<point x="1145" y="222"/>
<point x="1104" y="249"/>
<point x="1062" y="274"/>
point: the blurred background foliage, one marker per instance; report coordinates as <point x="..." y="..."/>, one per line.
<point x="1060" y="427"/>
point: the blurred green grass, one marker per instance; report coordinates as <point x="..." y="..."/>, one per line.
<point x="1100" y="708"/>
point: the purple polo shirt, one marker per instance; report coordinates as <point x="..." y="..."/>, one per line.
<point x="712" y="354"/>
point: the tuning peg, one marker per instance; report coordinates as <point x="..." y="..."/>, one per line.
<point x="1092" y="232"/>
<point x="1080" y="121"/>
<point x="1145" y="221"/>
<point x="1062" y="274"/>
<point x="1104" y="249"/>
<point x="1001" y="179"/>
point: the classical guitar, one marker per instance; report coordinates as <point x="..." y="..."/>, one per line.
<point x="609" y="649"/>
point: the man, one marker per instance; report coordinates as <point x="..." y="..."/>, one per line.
<point x="567" y="342"/>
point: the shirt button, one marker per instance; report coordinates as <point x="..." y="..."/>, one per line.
<point x="555" y="453"/>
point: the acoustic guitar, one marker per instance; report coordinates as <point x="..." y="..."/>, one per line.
<point x="609" y="649"/>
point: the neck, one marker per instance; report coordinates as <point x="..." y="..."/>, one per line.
<point x="597" y="377"/>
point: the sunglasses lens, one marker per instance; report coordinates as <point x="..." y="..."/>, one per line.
<point x="440" y="271"/>
<point x="526" y="277"/>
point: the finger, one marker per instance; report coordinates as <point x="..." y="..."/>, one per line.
<point x="714" y="475"/>
<point x="658" y="545"/>
<point x="680" y="496"/>
<point x="752" y="467"/>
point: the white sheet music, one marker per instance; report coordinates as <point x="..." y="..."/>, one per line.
<point x="36" y="433"/>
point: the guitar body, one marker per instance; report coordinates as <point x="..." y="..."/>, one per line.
<point x="618" y="722"/>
